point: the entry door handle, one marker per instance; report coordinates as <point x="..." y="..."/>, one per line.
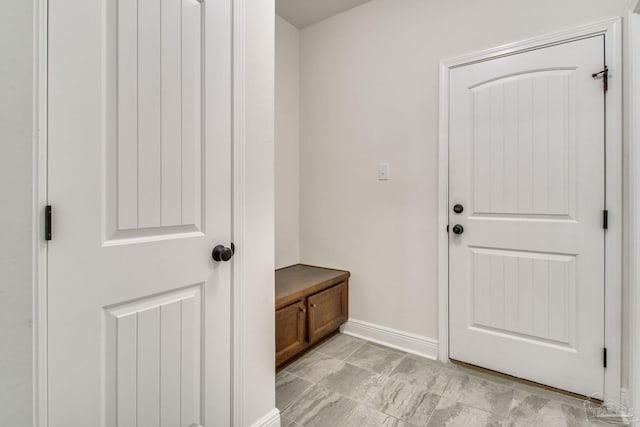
<point x="458" y="229"/>
<point x="222" y="253"/>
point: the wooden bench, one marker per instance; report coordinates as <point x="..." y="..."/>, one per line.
<point x="311" y="303"/>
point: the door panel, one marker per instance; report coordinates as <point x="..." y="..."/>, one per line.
<point x="153" y="347"/>
<point x="328" y="310"/>
<point x="154" y="162"/>
<point x="533" y="109"/>
<point x="524" y="294"/>
<point x="139" y="180"/>
<point x="527" y="163"/>
<point x="291" y="330"/>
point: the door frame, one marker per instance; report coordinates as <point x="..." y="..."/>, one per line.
<point x="40" y="191"/>
<point x="612" y="29"/>
<point x="40" y="200"/>
<point x="634" y="207"/>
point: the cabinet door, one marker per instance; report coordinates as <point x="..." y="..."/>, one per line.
<point x="291" y="330"/>
<point x="328" y="310"/>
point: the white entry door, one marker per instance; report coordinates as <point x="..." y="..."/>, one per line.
<point x="527" y="169"/>
<point x="139" y="143"/>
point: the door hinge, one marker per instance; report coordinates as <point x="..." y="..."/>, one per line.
<point x="605" y="77"/>
<point x="605" y="219"/>
<point x="604" y="357"/>
<point x="47" y="222"/>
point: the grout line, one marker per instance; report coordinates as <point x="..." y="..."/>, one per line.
<point x="434" y="409"/>
<point x="297" y="376"/>
<point x="300" y="396"/>
<point x="509" y="386"/>
<point x="319" y="350"/>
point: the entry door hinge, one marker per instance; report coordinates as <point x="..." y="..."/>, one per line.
<point x="604" y="357"/>
<point x="605" y="77"/>
<point x="47" y="222"/>
<point x="605" y="219"/>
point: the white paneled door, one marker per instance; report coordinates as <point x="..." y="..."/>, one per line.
<point x="139" y="110"/>
<point x="526" y="195"/>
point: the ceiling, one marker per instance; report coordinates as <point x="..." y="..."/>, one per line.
<point x="303" y="13"/>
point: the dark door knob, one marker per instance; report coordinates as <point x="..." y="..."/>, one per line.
<point x="458" y="208"/>
<point x="458" y="229"/>
<point x="222" y="253"/>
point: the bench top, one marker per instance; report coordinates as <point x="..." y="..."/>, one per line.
<point x="300" y="280"/>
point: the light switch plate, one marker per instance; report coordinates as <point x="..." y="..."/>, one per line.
<point x="383" y="171"/>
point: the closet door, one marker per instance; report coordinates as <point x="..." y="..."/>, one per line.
<point x="139" y="163"/>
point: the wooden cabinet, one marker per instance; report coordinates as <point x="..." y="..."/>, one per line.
<point x="327" y="311"/>
<point x="311" y="303"/>
<point x="291" y="330"/>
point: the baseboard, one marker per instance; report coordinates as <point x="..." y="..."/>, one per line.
<point x="405" y="341"/>
<point x="272" y="419"/>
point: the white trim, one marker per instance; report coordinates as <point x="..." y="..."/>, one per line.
<point x="443" y="216"/>
<point x="272" y="419"/>
<point x="607" y="26"/>
<point x="238" y="215"/>
<point x="611" y="28"/>
<point x="39" y="272"/>
<point x="634" y="208"/>
<point x="405" y="341"/>
<point x="613" y="239"/>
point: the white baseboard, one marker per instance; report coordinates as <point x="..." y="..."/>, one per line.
<point x="405" y="341"/>
<point x="272" y="419"/>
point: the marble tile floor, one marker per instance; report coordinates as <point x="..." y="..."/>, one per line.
<point x="351" y="382"/>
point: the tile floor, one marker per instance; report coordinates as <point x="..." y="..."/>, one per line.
<point x="351" y="382"/>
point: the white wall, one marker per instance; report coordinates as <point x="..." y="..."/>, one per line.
<point x="258" y="249"/>
<point x="16" y="125"/>
<point x="287" y="143"/>
<point x="369" y="94"/>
